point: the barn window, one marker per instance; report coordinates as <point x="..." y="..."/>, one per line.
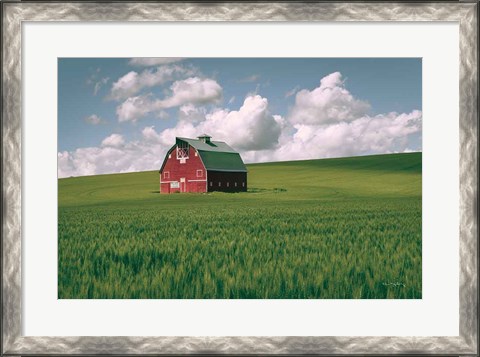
<point x="243" y="184"/>
<point x="182" y="150"/>
<point x="199" y="173"/>
<point x="235" y="184"/>
<point x="228" y="184"/>
<point x="211" y="183"/>
<point x="166" y="174"/>
<point x="219" y="184"/>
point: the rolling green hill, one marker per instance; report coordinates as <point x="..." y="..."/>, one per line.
<point x="332" y="228"/>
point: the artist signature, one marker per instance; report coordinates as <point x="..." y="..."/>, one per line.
<point x="396" y="284"/>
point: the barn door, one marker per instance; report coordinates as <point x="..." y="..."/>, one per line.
<point x="183" y="184"/>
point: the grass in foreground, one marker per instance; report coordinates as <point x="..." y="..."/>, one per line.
<point x="336" y="228"/>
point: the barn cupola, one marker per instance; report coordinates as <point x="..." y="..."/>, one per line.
<point x="204" y="138"/>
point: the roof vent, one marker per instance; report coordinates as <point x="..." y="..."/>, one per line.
<point x="205" y="138"/>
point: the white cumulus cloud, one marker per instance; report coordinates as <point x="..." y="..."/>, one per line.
<point x="192" y="90"/>
<point x="133" y="82"/>
<point x="191" y="113"/>
<point x="113" y="156"/>
<point x="135" y="108"/>
<point x="135" y="156"/>
<point x="114" y="140"/>
<point x="327" y="104"/>
<point x="252" y="127"/>
<point x="363" y="136"/>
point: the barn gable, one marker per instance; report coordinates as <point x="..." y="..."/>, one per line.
<point x="215" y="155"/>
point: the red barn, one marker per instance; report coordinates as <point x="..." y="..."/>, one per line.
<point x="202" y="166"/>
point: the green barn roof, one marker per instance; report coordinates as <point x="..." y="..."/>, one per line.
<point x="215" y="155"/>
<point x="222" y="161"/>
<point x="215" y="146"/>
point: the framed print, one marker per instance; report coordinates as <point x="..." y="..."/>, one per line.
<point x="239" y="178"/>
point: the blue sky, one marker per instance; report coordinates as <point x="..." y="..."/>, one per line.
<point x="122" y="114"/>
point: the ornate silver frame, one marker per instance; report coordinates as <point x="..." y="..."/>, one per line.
<point x="13" y="13"/>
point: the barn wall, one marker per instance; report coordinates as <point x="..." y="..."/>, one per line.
<point x="225" y="181"/>
<point x="187" y="171"/>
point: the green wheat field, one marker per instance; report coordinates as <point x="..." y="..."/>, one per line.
<point x="346" y="228"/>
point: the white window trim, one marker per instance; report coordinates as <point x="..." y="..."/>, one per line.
<point x="166" y="175"/>
<point x="185" y="152"/>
